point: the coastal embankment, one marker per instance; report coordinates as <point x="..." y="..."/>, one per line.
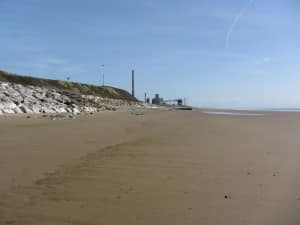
<point x="20" y="94"/>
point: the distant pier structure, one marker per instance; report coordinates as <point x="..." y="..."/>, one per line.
<point x="178" y="102"/>
<point x="157" y="100"/>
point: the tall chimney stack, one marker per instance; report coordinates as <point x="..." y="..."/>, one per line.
<point x="132" y="83"/>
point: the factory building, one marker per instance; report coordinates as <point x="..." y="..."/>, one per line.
<point x="157" y="100"/>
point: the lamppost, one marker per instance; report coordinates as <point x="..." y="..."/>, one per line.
<point x="103" y="77"/>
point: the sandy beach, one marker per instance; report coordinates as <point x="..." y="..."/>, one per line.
<point x="159" y="168"/>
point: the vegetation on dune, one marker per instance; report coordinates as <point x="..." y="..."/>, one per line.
<point x="86" y="89"/>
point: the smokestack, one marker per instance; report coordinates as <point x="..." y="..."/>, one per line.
<point x="133" y="83"/>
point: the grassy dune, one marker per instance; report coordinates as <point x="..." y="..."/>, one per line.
<point x="86" y="89"/>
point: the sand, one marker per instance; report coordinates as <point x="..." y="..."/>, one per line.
<point x="160" y="168"/>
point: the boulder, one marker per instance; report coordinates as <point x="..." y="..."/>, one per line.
<point x="9" y="105"/>
<point x="17" y="98"/>
<point x="76" y="111"/>
<point x="60" y="110"/>
<point x="35" y="109"/>
<point x="18" y="110"/>
<point x="8" y="111"/>
<point x="25" y="109"/>
<point x="69" y="110"/>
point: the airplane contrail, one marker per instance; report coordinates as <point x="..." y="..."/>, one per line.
<point x="235" y="22"/>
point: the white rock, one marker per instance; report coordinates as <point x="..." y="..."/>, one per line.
<point x="8" y="111"/>
<point x="38" y="96"/>
<point x="4" y="84"/>
<point x="25" y="109"/>
<point x="35" y="109"/>
<point x="47" y="109"/>
<point x="76" y="111"/>
<point x="69" y="110"/>
<point x="18" y="110"/>
<point x="61" y="110"/>
<point x="7" y="105"/>
<point x="16" y="98"/>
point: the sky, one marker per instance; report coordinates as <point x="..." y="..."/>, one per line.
<point x="214" y="53"/>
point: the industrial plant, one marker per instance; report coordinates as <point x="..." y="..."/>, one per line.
<point x="157" y="100"/>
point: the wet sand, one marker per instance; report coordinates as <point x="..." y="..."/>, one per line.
<point x="162" y="168"/>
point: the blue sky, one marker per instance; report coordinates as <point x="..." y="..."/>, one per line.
<point x="216" y="53"/>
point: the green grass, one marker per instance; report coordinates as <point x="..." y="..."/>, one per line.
<point x="86" y="89"/>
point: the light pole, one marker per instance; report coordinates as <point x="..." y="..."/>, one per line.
<point x="132" y="77"/>
<point x="103" y="77"/>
